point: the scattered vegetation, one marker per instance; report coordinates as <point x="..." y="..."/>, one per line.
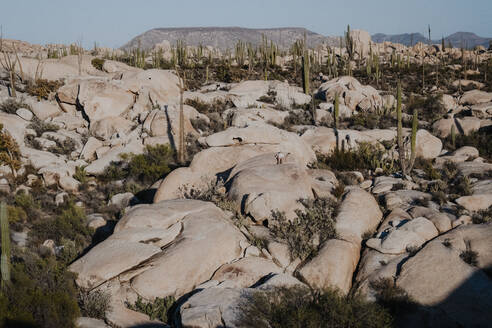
<point x="41" y="293"/>
<point x="43" y="89"/>
<point x="11" y="105"/>
<point x="469" y="256"/>
<point x="215" y="193"/>
<point x="41" y="127"/>
<point x="156" y="310"/>
<point x="479" y="139"/>
<point x="290" y="307"/>
<point x="98" y="63"/>
<point x="9" y="151"/>
<point x="143" y="169"/>
<point x="483" y="216"/>
<point x="94" y="304"/>
<point x="309" y="230"/>
<point x="392" y="297"/>
<point x="365" y="157"/>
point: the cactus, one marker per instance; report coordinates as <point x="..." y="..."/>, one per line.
<point x="413" y="152"/>
<point x="336" y="110"/>
<point x="181" y="145"/>
<point x="405" y="167"/>
<point x="305" y="73"/>
<point x="453" y="136"/>
<point x="399" y="131"/>
<point x="5" y="259"/>
<point x="349" y="44"/>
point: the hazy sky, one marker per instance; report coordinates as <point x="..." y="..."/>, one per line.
<point x="114" y="22"/>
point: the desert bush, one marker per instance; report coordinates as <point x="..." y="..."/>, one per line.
<point x="157" y="309"/>
<point x="269" y="98"/>
<point x="94" y="304"/>
<point x="16" y="214"/>
<point x="469" y="256"/>
<point x="144" y="168"/>
<point x="69" y="223"/>
<point x="430" y="107"/>
<point x="297" y="117"/>
<point x="26" y="202"/>
<point x="11" y="105"/>
<point x="479" y="139"/>
<point x="41" y="293"/>
<point x="309" y="230"/>
<point x="292" y="307"/>
<point x="42" y="89"/>
<point x="9" y="151"/>
<point x="426" y="166"/>
<point x="98" y="63"/>
<point x="41" y="127"/>
<point x="215" y="193"/>
<point x="373" y="120"/>
<point x="392" y="297"/>
<point x="366" y="157"/>
<point x="65" y="147"/>
<point x="483" y="216"/>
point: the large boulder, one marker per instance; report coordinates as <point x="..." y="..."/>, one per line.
<point x="325" y="140"/>
<point x="475" y="97"/>
<point x="162" y="249"/>
<point x="351" y="94"/>
<point x="262" y="186"/>
<point x="102" y="99"/>
<point x="232" y="146"/>
<point x="464" y="297"/>
<point x="161" y="86"/>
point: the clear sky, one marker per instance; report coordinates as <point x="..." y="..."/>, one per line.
<point x="114" y="22"/>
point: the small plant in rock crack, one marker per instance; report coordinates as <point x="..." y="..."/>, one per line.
<point x="309" y="230"/>
<point x="157" y="309"/>
<point x="215" y="193"/>
<point x="446" y="243"/>
<point x="469" y="255"/>
<point x="483" y="216"/>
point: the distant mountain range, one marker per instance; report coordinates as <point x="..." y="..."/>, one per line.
<point x="227" y="37"/>
<point x="458" y="39"/>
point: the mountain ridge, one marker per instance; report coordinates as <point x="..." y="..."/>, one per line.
<point x="227" y="37"/>
<point x="457" y="39"/>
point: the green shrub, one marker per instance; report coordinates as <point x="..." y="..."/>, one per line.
<point x="11" y="105"/>
<point x="16" y="214"/>
<point x="65" y="147"/>
<point x="158" y="309"/>
<point x="41" y="127"/>
<point x="94" y="304"/>
<point x="366" y="157"/>
<point x="469" y="256"/>
<point x="215" y="193"/>
<point x="41" y="294"/>
<point x="483" y="216"/>
<point x="145" y="168"/>
<point x="430" y="107"/>
<point x="479" y="139"/>
<point x="292" y="307"/>
<point x="98" y="63"/>
<point x="42" y="89"/>
<point x="392" y="297"/>
<point x="69" y="223"/>
<point x="309" y="230"/>
<point x="426" y="166"/>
